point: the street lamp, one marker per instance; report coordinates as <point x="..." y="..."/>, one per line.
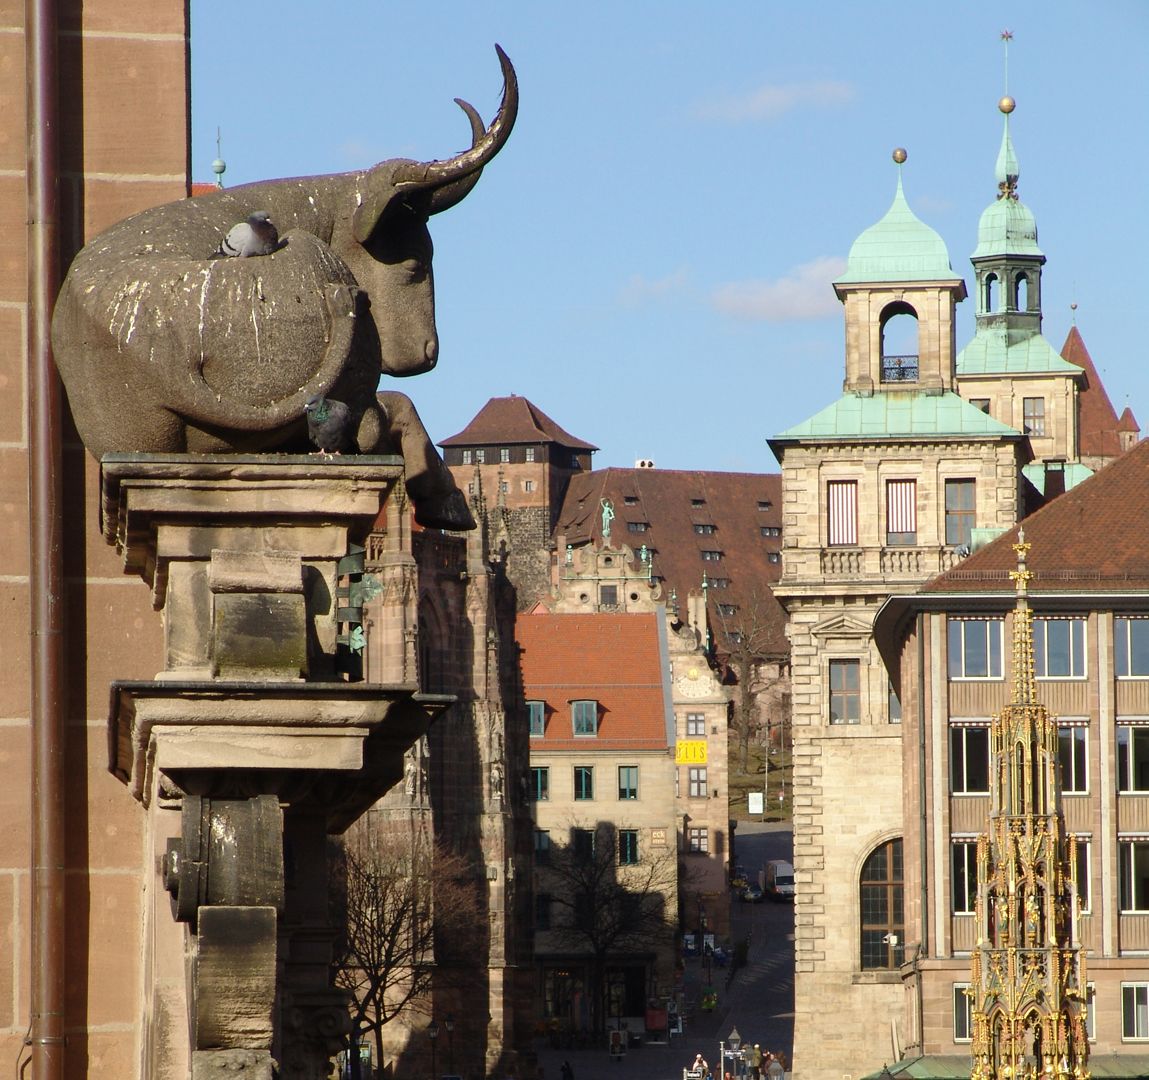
<point x="449" y="1024"/>
<point x="735" y="1041"/>
<point x="433" y="1035"/>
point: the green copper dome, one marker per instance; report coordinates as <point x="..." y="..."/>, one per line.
<point x="900" y="247"/>
<point x="1008" y="226"/>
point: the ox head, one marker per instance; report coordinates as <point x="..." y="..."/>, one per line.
<point x="391" y="250"/>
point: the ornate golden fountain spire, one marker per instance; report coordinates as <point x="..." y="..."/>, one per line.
<point x="1028" y="971"/>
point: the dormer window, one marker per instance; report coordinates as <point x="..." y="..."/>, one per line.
<point x="584" y="717"/>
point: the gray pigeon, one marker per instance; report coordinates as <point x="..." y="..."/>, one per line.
<point x="256" y="236"/>
<point x="328" y="424"/>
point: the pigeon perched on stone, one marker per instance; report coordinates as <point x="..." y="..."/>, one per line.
<point x="255" y="236"/>
<point x="328" y="424"/>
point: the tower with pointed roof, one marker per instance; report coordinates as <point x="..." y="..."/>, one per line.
<point x="884" y="488"/>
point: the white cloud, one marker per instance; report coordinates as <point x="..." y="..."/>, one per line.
<point x="804" y="294"/>
<point x="770" y="102"/>
<point x="637" y="290"/>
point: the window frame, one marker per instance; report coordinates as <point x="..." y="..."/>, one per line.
<point x="481" y="456"/>
<point x="1077" y="653"/>
<point x="901" y="509"/>
<point x="698" y="840"/>
<point x="542" y="848"/>
<point x="1084" y="854"/>
<point x="1124" y="654"/>
<point x="960" y="520"/>
<point x="848" y="694"/>
<point x="697" y="782"/>
<point x="1127" y="766"/>
<point x="583" y="783"/>
<point x="695" y="725"/>
<point x="1129" y="896"/>
<point x="1079" y="731"/>
<point x="968" y="857"/>
<point x="1033" y="419"/>
<point x="994" y="649"/>
<point x="628" y="847"/>
<point x="468" y="457"/>
<point x="529" y="455"/>
<point x="893" y="885"/>
<point x="842" y="513"/>
<point x="629" y="791"/>
<point x="540" y="783"/>
<point x="536" y="718"/>
<point x="963" y="1013"/>
<point x="964" y="731"/>
<point x="584" y="710"/>
<point x="1140" y="1013"/>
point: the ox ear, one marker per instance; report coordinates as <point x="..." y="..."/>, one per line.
<point x="383" y="192"/>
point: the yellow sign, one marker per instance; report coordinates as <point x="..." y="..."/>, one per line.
<point x="690" y="752"/>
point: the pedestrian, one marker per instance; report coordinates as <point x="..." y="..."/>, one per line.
<point x="700" y="1067"/>
<point x="756" y="1062"/>
<point x="566" y="1071"/>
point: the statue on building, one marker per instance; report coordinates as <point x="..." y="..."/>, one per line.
<point x="164" y="346"/>
<point x="607" y="518"/>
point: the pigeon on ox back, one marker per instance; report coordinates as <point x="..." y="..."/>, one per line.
<point x="255" y="236"/>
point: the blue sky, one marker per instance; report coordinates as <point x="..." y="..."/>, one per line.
<point x="649" y="259"/>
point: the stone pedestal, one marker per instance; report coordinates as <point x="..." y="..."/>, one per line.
<point x="253" y="734"/>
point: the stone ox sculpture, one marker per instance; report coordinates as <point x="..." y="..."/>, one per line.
<point x="163" y="349"/>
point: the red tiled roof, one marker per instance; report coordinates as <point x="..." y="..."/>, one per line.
<point x="1091" y="539"/>
<point x="1097" y="420"/>
<point x="511" y="420"/>
<point x="671" y="503"/>
<point x="203" y="187"/>
<point x="1128" y="421"/>
<point x="613" y="659"/>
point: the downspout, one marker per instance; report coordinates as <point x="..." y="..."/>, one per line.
<point x="46" y="578"/>
<point x="923" y="825"/>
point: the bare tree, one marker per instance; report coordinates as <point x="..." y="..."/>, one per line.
<point x="605" y="910"/>
<point x="748" y="644"/>
<point x="396" y="899"/>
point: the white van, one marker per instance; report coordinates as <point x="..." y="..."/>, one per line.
<point x="779" y="880"/>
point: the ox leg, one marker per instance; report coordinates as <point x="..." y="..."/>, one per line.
<point x="439" y="504"/>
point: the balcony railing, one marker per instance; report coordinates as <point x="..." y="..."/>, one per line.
<point x="899" y="369"/>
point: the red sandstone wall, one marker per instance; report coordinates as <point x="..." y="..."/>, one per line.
<point x="123" y="100"/>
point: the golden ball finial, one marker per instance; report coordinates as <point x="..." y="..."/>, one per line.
<point x="900" y="155"/>
<point x="1007" y="105"/>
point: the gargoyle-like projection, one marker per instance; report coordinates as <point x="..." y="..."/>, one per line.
<point x="164" y="349"/>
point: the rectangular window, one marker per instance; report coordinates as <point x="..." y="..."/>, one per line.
<point x="541" y="783"/>
<point x="703" y="529"/>
<point x="1072" y="744"/>
<point x="630" y="500"/>
<point x="1090" y="1012"/>
<point x="695" y="724"/>
<point x="627" y="847"/>
<point x="717" y="582"/>
<point x="711" y="556"/>
<point x="769" y="530"/>
<point x="480" y="457"/>
<point x="981" y="403"/>
<point x="542" y="911"/>
<point x="1133" y="875"/>
<point x="468" y="457"/>
<point x="974" y="648"/>
<point x="697" y="840"/>
<point x="504" y="487"/>
<point x="530" y="453"/>
<point x="969" y="760"/>
<point x="637" y="526"/>
<point x="963" y="876"/>
<point x="584" y="782"/>
<point x="845" y="692"/>
<point x="1059" y="648"/>
<point x="697" y="503"/>
<point x="542" y="846"/>
<point x="1033" y="415"/>
<point x="893" y="704"/>
<point x="1081" y="862"/>
<point x="582" y="843"/>
<point x="504" y="454"/>
<point x="727" y="609"/>
<point x="963" y="1013"/>
<point x="536" y="717"/>
<point x="628" y="781"/>
<point x="960" y="508"/>
<point x="901" y="512"/>
<point x="764" y="504"/>
<point x="528" y="486"/>
<point x="774" y="556"/>
<point x="608" y="595"/>
<point x="584" y="717"/>
<point x="697" y="774"/>
<point x="1135" y="1011"/>
<point x="1132" y="759"/>
<point x="842" y="507"/>
<point x="1131" y="647"/>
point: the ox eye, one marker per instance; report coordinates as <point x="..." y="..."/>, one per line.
<point x="415" y="270"/>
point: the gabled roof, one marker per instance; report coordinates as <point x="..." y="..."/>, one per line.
<point x="618" y="660"/>
<point x="1090" y="539"/>
<point x="1098" y="425"/>
<point x="671" y="503"/>
<point x="511" y="420"/>
<point x="897" y="414"/>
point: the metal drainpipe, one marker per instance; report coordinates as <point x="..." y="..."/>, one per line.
<point x="46" y="578"/>
<point x="923" y="803"/>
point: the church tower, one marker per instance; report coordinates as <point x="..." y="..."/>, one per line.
<point x="881" y="490"/>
